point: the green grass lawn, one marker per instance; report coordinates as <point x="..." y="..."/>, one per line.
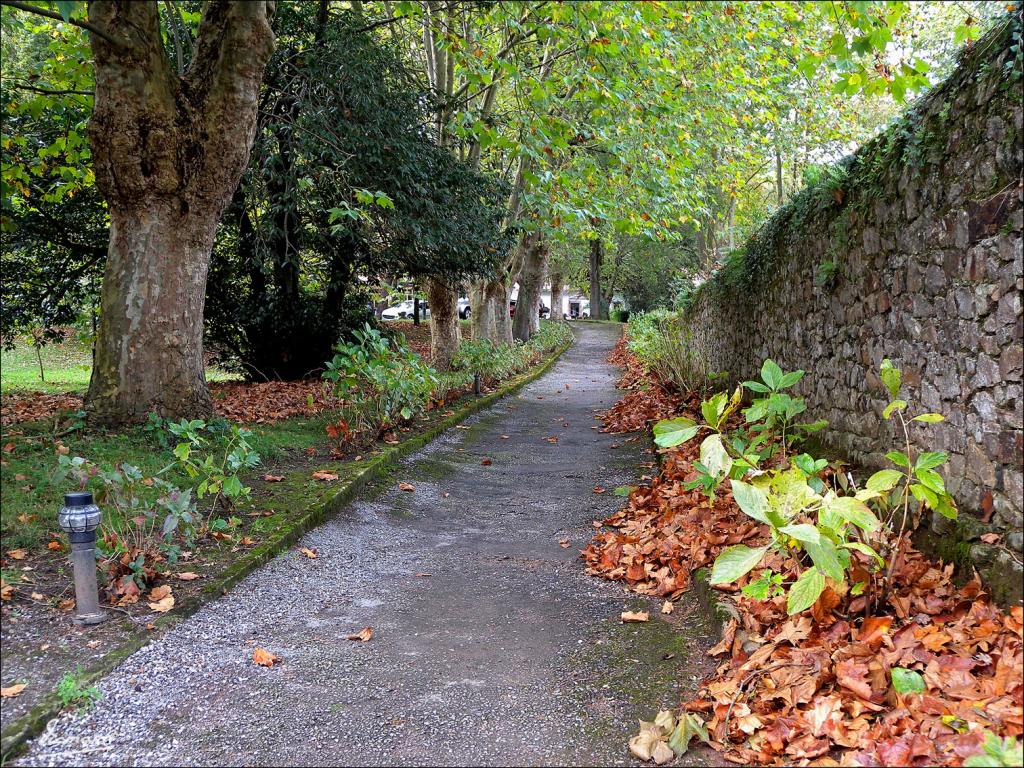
<point x="65" y="368"/>
<point x="30" y="499"/>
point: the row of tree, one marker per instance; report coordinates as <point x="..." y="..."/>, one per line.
<point x="243" y="169"/>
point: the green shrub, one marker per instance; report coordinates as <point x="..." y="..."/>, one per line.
<point x="619" y="315"/>
<point x="822" y="524"/>
<point x="495" y="362"/>
<point x="661" y="342"/>
<point x="381" y="382"/>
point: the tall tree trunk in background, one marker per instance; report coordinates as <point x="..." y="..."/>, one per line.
<point x="541" y="279"/>
<point x="595" y="261"/>
<point x="481" y="316"/>
<point x="443" y="298"/>
<point x="168" y="152"/>
<point x="531" y="279"/>
<point x="498" y="293"/>
<point x="557" y="284"/>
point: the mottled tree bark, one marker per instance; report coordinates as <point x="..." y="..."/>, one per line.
<point x="481" y="315"/>
<point x="445" y="337"/>
<point x="168" y="152"/>
<point x="531" y="279"/>
<point x="499" y="294"/>
<point x="557" y="286"/>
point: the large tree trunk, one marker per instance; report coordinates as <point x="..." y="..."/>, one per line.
<point x="481" y="314"/>
<point x="168" y="152"/>
<point x="499" y="294"/>
<point x="596" y="258"/>
<point x="443" y="298"/>
<point x="557" y="284"/>
<point x="531" y="279"/>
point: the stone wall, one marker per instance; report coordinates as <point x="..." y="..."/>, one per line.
<point x="910" y="250"/>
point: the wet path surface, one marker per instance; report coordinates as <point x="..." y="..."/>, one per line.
<point x="506" y="653"/>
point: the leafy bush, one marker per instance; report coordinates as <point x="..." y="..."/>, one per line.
<point x="661" y="343"/>
<point x="495" y="362"/>
<point x="381" y="382"/>
<point x="822" y="526"/>
<point x="619" y="315"/>
<point x="148" y="518"/>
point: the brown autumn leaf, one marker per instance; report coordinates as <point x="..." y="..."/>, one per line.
<point x="274" y="478"/>
<point x="265" y="658"/>
<point x="990" y="538"/>
<point x="163" y="605"/>
<point x="6" y="590"/>
<point x="62" y="449"/>
<point x="564" y="543"/>
<point x="19" y="477"/>
<point x="187" y="576"/>
<point x="362" y="635"/>
<point x="67" y="604"/>
<point x="404" y="486"/>
<point x="9" y="448"/>
<point x="12" y="690"/>
<point x="55" y="546"/>
<point x="38" y="596"/>
<point x="247" y="541"/>
<point x="634" y="616"/>
<point x="486" y="462"/>
<point x="322" y="474"/>
<point x="312" y="554"/>
<point x="599" y="489"/>
<point x="668" y="607"/>
<point x="553" y="439"/>
<point x="17" y="554"/>
<point x="423" y="575"/>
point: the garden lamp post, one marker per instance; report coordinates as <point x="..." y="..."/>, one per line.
<point x="80" y="517"/>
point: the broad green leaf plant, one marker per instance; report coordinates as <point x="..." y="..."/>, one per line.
<point x="823" y="525"/>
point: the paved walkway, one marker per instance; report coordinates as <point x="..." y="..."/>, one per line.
<point x="507" y="653"/>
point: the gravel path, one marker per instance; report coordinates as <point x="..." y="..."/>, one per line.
<point x="507" y="653"/>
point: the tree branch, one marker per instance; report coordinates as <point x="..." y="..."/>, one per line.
<point x="47" y="91"/>
<point x="56" y="16"/>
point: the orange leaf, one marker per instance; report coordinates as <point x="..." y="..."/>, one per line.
<point x="188" y="576"/>
<point x="324" y="475"/>
<point x="18" y="554"/>
<point x="265" y="658"/>
<point x="312" y="554"/>
<point x="403" y="486"/>
<point x="486" y="462"/>
<point x="362" y="635"/>
<point x="55" y="546"/>
<point x="12" y="690"/>
<point x="274" y="478"/>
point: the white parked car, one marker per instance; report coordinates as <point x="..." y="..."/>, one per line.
<point x="403" y="310"/>
<point x="464" y="309"/>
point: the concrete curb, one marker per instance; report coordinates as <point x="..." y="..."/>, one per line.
<point x="16" y="736"/>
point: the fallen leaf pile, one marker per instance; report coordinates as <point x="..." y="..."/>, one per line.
<point x="16" y="407"/>
<point x="919" y="681"/>
<point x="242" y="401"/>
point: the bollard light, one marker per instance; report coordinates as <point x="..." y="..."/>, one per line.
<point x="80" y="517"/>
<point x="476" y="384"/>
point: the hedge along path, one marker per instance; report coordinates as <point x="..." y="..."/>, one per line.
<point x="489" y="645"/>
